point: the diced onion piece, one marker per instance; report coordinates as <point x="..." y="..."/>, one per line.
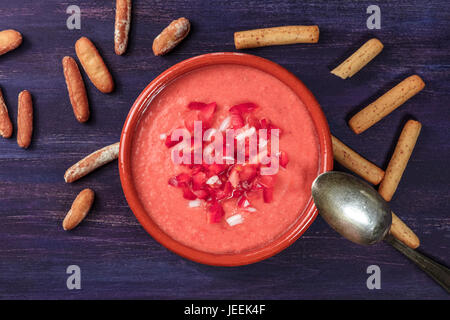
<point x="250" y="209"/>
<point x="195" y="203"/>
<point x="162" y="136"/>
<point x="228" y="158"/>
<point x="213" y="180"/>
<point x="246" y="133"/>
<point x="235" y="219"/>
<point x="234" y="178"/>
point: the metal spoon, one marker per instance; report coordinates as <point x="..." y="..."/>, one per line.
<point x="355" y="210"/>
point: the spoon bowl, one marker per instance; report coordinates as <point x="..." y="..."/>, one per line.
<point x="351" y="207"/>
<point x="355" y="210"/>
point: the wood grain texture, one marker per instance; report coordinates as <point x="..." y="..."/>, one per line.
<point x="116" y="256"/>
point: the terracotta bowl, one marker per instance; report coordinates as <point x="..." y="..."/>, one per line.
<point x="307" y="215"/>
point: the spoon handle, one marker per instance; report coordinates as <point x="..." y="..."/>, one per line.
<point x="439" y="272"/>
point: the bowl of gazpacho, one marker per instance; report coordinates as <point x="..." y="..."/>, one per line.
<point x="217" y="157"/>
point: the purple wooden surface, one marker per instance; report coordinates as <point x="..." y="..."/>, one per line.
<point x="117" y="257"/>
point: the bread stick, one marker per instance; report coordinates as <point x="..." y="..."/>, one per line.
<point x="9" y="40"/>
<point x="354" y="162"/>
<point x="80" y="208"/>
<point x="359" y="59"/>
<point x="385" y="104"/>
<point x="94" y="65"/>
<point x="24" y="119"/>
<point x="122" y="26"/>
<point x="92" y="162"/>
<point x="172" y="35"/>
<point x="76" y="89"/>
<point x="6" y="127"/>
<point x="276" y="36"/>
<point x="371" y="173"/>
<point x="400" y="158"/>
<point x="403" y="233"/>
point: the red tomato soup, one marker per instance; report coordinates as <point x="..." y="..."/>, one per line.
<point x="259" y="220"/>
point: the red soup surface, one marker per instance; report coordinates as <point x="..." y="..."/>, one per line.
<point x="187" y="220"/>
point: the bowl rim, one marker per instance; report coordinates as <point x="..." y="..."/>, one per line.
<point x="141" y="103"/>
